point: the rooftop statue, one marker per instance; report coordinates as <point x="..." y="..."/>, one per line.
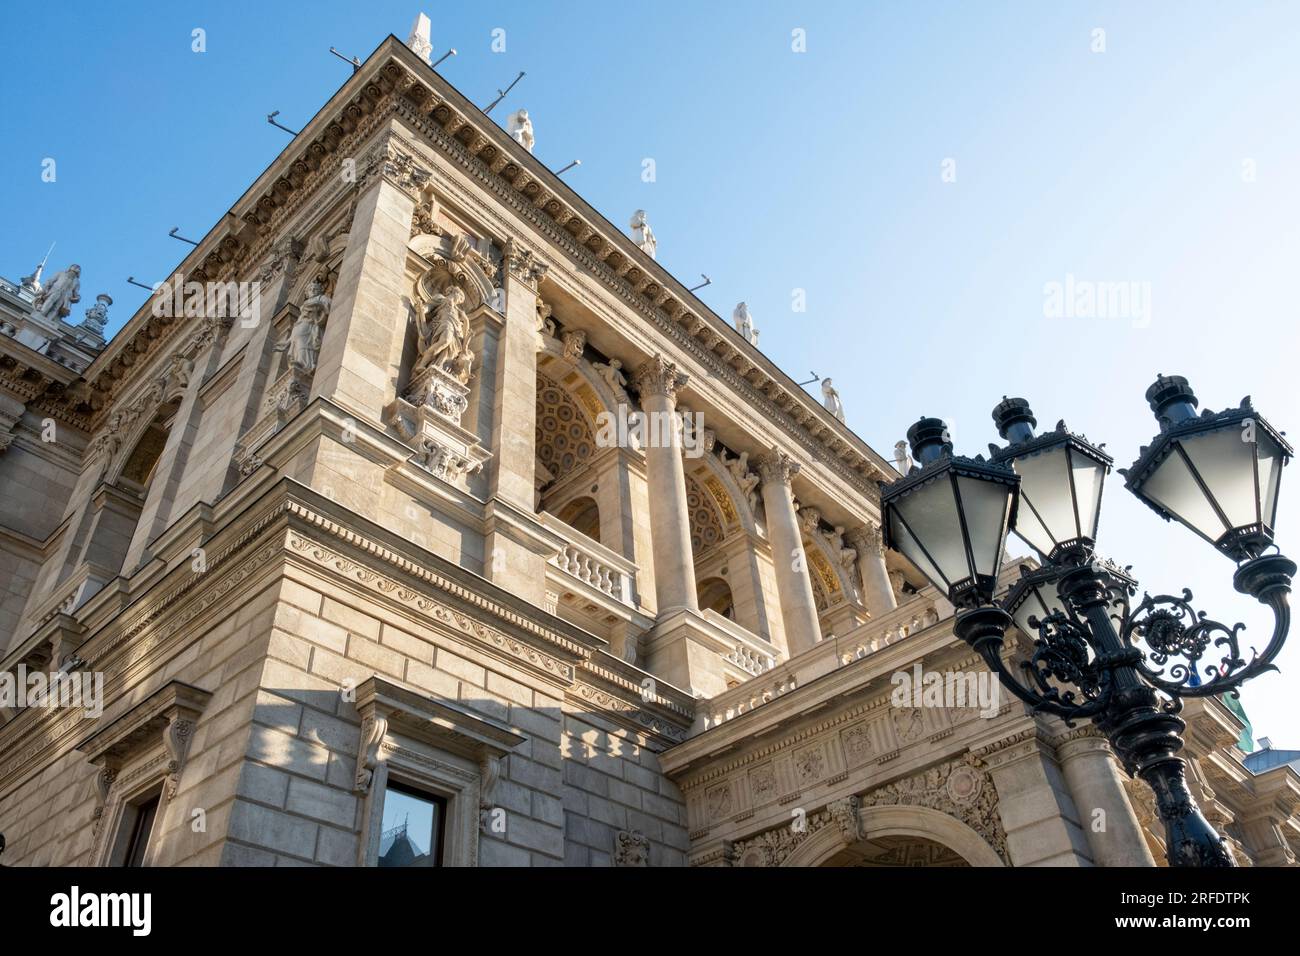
<point x="831" y="399"/>
<point x="745" y="323"/>
<point x="902" y="457"/>
<point x="55" y="300"/>
<point x="520" y="128"/>
<point x="642" y="234"/>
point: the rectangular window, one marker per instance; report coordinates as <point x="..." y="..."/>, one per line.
<point x="412" y="828"/>
<point x="141" y="826"/>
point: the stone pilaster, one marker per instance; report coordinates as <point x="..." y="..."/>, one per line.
<point x="1094" y="778"/>
<point x="793" y="585"/>
<point x="877" y="591"/>
<point x="512" y="557"/>
<point x="658" y="382"/>
<point x="1040" y="819"/>
<point x="361" y="349"/>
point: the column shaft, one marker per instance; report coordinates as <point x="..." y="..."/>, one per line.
<point x="1093" y="777"/>
<point x="793" y="585"/>
<point x="877" y="591"/>
<point x="658" y="381"/>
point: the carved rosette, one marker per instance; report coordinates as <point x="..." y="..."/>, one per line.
<point x="659" y="377"/>
<point x="777" y="466"/>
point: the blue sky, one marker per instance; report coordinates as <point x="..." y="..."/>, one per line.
<point x="1170" y="160"/>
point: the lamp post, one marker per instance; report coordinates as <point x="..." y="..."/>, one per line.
<point x="1094" y="656"/>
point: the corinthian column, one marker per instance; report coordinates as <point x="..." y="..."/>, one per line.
<point x="793" y="586"/>
<point x="670" y="534"/>
<point x="877" y="591"/>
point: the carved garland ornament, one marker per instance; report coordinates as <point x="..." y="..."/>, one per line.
<point x="957" y="788"/>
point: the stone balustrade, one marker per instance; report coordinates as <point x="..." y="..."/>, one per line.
<point x="582" y="559"/>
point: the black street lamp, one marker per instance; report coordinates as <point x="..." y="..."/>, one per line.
<point x="1095" y="656"/>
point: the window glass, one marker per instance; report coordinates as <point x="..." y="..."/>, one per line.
<point x="411" y="832"/>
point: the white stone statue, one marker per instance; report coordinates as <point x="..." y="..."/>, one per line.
<point x="642" y="234"/>
<point x="745" y="323"/>
<point x="520" y="128"/>
<point x="831" y="399"/>
<point x="444" y="335"/>
<point x="614" y="378"/>
<point x="902" y="457"/>
<point x="97" y="315"/>
<point x="848" y="556"/>
<point x="59" y="294"/>
<point x="303" y="341"/>
<point x="748" y="481"/>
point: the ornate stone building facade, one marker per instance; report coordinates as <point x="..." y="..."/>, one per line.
<point x="482" y="506"/>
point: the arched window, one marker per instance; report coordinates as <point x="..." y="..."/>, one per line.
<point x="714" y="594"/>
<point x="582" y="514"/>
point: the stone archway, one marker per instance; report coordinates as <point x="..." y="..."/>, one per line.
<point x="891" y="827"/>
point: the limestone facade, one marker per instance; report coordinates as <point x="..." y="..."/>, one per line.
<point x="379" y="535"/>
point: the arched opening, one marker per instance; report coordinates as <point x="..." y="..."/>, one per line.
<point x="111" y="523"/>
<point x="582" y="515"/>
<point x="897" y="851"/>
<point x="896" y="835"/>
<point x="564" y="439"/>
<point x="714" y="594"/>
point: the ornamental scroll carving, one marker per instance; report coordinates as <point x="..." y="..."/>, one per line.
<point x="958" y="788"/>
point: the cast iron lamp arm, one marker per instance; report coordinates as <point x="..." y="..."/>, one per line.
<point x="984" y="629"/>
<point x="1171" y="628"/>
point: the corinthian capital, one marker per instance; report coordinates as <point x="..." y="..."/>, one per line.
<point x="523" y="263"/>
<point x="866" y="540"/>
<point x="776" y="465"/>
<point x="659" y="377"/>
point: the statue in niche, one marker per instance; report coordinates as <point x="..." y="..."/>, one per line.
<point x="60" y="293"/>
<point x="520" y="128"/>
<point x="302" y="343"/>
<point x="444" y="335"/>
<point x="848" y="556"/>
<point x="744" y="323"/>
<point x="748" y="481"/>
<point x="831" y="399"/>
<point x="642" y="234"/>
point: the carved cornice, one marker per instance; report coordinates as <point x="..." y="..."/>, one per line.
<point x="290" y="523"/>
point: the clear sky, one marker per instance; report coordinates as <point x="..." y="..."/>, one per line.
<point x="923" y="172"/>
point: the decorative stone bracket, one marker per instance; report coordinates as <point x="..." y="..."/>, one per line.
<point x="460" y="759"/>
<point x="167" y="716"/>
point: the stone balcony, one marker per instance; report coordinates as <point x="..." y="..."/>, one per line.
<point x="591" y="585"/>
